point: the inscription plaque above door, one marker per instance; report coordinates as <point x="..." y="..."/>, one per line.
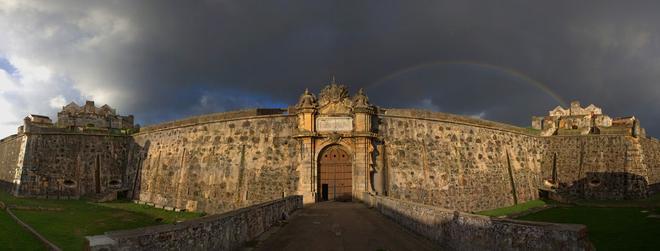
<point x="334" y="124"/>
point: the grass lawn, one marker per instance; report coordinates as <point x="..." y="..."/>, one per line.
<point x="15" y="237"/>
<point x="612" y="225"/>
<point x="513" y="209"/>
<point x="77" y="219"/>
<point x="651" y="202"/>
<point x="617" y="228"/>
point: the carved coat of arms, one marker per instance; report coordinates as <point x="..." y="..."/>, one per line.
<point x="334" y="99"/>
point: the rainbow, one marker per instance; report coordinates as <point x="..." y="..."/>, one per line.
<point x="511" y="72"/>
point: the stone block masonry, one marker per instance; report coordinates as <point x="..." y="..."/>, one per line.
<point x="602" y="167"/>
<point x="12" y="150"/>
<point x="221" y="162"/>
<point x="458" y="163"/>
<point x="651" y="151"/>
<point x="73" y="165"/>
<point x="454" y="230"/>
<point x="218" y="165"/>
<point x="228" y="231"/>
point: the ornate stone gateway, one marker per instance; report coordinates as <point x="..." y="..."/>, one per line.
<point x="337" y="143"/>
<point x="335" y="174"/>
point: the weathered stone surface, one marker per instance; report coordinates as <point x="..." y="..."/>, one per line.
<point x="11" y="152"/>
<point x="227" y="231"/>
<point x="224" y="161"/>
<point x="217" y="166"/>
<point x="89" y="115"/>
<point x="62" y="165"/>
<point x="576" y="120"/>
<point x="651" y="151"/>
<point x="459" y="166"/>
<point x="601" y="167"/>
<point x="454" y="230"/>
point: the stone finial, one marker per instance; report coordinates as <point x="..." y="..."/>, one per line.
<point x="360" y="99"/>
<point x="307" y="100"/>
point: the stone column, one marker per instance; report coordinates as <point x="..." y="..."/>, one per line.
<point x="364" y="147"/>
<point x="306" y="112"/>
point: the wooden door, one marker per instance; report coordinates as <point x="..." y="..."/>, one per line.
<point x="335" y="175"/>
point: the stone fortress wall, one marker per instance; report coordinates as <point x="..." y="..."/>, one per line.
<point x="65" y="162"/>
<point x="11" y="149"/>
<point x="63" y="165"/>
<point x="601" y="166"/>
<point x="651" y="154"/>
<point x="220" y="162"/>
<point x="219" y="175"/>
<point x="459" y="163"/>
<point x="73" y="165"/>
<point x="229" y="161"/>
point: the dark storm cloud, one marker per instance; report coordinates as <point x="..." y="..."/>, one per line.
<point x="189" y="57"/>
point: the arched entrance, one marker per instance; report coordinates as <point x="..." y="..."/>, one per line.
<point x="335" y="174"/>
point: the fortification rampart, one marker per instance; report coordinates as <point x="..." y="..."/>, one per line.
<point x="651" y="154"/>
<point x="600" y="166"/>
<point x="215" y="117"/>
<point x="459" y="163"/>
<point x="224" y="161"/>
<point x="73" y="165"/>
<point x="455" y="119"/>
<point x="10" y="161"/>
<point x="217" y="163"/>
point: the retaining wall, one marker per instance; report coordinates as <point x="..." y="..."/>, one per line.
<point x="228" y="231"/>
<point x="454" y="230"/>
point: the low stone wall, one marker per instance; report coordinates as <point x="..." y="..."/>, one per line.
<point x="462" y="231"/>
<point x="228" y="231"/>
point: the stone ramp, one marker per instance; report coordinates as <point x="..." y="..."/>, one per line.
<point x="341" y="226"/>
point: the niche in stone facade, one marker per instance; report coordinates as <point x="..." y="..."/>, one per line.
<point x="115" y="184"/>
<point x="69" y="183"/>
<point x="552" y="182"/>
<point x="594" y="182"/>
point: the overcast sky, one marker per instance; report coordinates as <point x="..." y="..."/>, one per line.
<point x="163" y="60"/>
